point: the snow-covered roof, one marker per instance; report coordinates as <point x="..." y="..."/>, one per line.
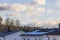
<point x="34" y="33"/>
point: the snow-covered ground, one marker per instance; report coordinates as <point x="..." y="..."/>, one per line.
<point x="14" y="36"/>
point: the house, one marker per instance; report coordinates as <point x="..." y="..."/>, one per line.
<point x="14" y="35"/>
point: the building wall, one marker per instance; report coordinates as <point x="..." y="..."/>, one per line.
<point x="34" y="38"/>
<point x="54" y="37"/>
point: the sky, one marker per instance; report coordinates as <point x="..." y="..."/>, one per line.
<point x="31" y="11"/>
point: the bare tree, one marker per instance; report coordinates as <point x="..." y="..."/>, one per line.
<point x="7" y="21"/>
<point x="17" y="23"/>
<point x="0" y="20"/>
<point x="12" y="22"/>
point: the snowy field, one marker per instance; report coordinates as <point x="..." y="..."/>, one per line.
<point x="14" y="36"/>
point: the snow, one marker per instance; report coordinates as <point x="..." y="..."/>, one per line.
<point x="14" y="36"/>
<point x="35" y="32"/>
<point x="51" y="31"/>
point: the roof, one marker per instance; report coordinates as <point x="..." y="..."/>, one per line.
<point x="3" y="34"/>
<point x="34" y="33"/>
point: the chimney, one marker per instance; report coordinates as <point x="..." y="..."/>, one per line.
<point x="59" y="25"/>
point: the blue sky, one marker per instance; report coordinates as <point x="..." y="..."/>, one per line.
<point x="31" y="11"/>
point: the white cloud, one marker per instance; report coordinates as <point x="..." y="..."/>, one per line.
<point x="35" y="20"/>
<point x="53" y="22"/>
<point x="30" y="7"/>
<point x="4" y="4"/>
<point x="28" y="14"/>
<point x="40" y="9"/>
<point x="40" y="2"/>
<point x="50" y="11"/>
<point x="29" y="10"/>
<point x="14" y="14"/>
<point x="36" y="2"/>
<point x="19" y="7"/>
<point x="58" y="3"/>
<point x="13" y="7"/>
<point x="32" y="11"/>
